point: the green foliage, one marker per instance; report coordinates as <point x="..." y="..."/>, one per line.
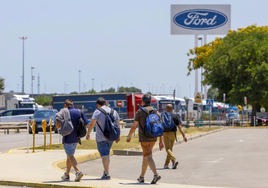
<point x="111" y="90"/>
<point x="237" y="65"/>
<point x="43" y="99"/>
<point x="74" y="93"/>
<point x="212" y="93"/>
<point x="129" y="89"/>
<point x="2" y="84"/>
<point x="92" y="91"/>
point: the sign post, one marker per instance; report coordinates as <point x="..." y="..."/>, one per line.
<point x="174" y="101"/>
<point x="246" y="102"/>
<point x="209" y="103"/>
<point x="198" y="100"/>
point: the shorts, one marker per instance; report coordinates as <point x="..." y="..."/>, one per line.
<point x="69" y="148"/>
<point x="104" y="147"/>
<point x="147" y="148"/>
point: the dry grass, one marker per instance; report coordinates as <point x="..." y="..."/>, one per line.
<point x="134" y="144"/>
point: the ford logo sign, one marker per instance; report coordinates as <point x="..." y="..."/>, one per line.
<point x="200" y="19"/>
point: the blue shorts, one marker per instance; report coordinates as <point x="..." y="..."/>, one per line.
<point x="69" y="148"/>
<point x="104" y="147"/>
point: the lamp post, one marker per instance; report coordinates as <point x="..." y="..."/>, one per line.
<point x="32" y="79"/>
<point x="92" y="84"/>
<point x="200" y="38"/>
<point x="79" y="80"/>
<point x="190" y="90"/>
<point x="23" y="38"/>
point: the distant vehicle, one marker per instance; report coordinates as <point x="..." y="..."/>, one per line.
<point x="40" y="115"/>
<point x="17" y="115"/>
<point x="11" y="101"/>
<point x="233" y="117"/>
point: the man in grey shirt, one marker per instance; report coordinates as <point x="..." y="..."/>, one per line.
<point x="103" y="144"/>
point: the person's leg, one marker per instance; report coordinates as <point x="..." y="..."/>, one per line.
<point x="106" y="163"/>
<point x="73" y="162"/>
<point x="144" y="167"/>
<point x="68" y="166"/>
<point x="151" y="163"/>
<point x="167" y="143"/>
<point x="171" y="137"/>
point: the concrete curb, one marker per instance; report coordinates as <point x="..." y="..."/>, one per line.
<point x="41" y="185"/>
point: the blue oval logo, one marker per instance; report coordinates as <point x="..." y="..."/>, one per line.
<point x="200" y="19"/>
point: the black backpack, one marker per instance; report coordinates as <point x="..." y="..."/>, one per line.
<point x="81" y="127"/>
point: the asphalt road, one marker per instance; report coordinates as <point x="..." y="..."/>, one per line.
<point x="230" y="158"/>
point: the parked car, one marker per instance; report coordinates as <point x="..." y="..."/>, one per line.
<point x="233" y="117"/>
<point x="39" y="115"/>
<point x="17" y="115"/>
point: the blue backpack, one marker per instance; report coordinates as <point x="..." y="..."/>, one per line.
<point x="153" y="126"/>
<point x="111" y="130"/>
<point x="168" y="123"/>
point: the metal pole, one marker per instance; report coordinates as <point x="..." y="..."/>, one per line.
<point x="254" y="121"/>
<point x="50" y="130"/>
<point x="247" y="116"/>
<point x="23" y="38"/>
<point x="79" y="80"/>
<point x="196" y="71"/>
<point x="209" y="116"/>
<point x="28" y="122"/>
<point x="32" y="79"/>
<point x="242" y="116"/>
<point x="205" y="86"/>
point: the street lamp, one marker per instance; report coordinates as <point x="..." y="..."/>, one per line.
<point x="32" y="79"/>
<point x="23" y="38"/>
<point x="190" y="90"/>
<point x="92" y="84"/>
<point x="79" y="80"/>
<point x="200" y="38"/>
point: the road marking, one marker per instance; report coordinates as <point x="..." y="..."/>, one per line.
<point x="10" y="151"/>
<point x="216" y="161"/>
<point x="240" y="140"/>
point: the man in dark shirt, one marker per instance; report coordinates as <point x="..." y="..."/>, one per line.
<point x="147" y="144"/>
<point x="170" y="137"/>
<point x="70" y="141"/>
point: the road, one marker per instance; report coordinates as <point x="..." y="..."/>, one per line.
<point x="230" y="158"/>
<point x="17" y="140"/>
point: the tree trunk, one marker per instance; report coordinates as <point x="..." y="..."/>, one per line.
<point x="255" y="108"/>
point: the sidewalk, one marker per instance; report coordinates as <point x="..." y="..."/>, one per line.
<point x="40" y="170"/>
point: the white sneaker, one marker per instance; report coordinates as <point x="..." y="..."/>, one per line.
<point x="65" y="177"/>
<point x="78" y="176"/>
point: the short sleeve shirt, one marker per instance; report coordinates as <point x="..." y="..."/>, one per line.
<point x="100" y="117"/>
<point x="176" y="118"/>
<point x="140" y="116"/>
<point x="75" y="116"/>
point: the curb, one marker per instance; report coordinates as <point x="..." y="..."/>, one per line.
<point x="41" y="185"/>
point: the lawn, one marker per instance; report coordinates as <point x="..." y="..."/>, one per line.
<point x="134" y="144"/>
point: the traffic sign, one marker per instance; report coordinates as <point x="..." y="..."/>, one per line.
<point x="209" y="102"/>
<point x="245" y="100"/>
<point x="198" y="98"/>
<point x="119" y="103"/>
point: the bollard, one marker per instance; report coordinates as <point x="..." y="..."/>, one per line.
<point x="33" y="131"/>
<point x="50" y="129"/>
<point x="44" y="127"/>
<point x="28" y="125"/>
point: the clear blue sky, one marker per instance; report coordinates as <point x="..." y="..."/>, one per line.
<point x="116" y="42"/>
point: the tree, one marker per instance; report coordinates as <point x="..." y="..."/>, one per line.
<point x="111" y="90"/>
<point x="212" y="93"/>
<point x="2" y="84"/>
<point x="128" y="89"/>
<point x="236" y="65"/>
<point x="43" y="99"/>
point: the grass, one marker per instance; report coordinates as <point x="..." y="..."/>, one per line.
<point x="134" y="143"/>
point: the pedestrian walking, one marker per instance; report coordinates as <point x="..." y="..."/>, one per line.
<point x="102" y="116"/>
<point x="171" y="121"/>
<point x="71" y="116"/>
<point x="147" y="143"/>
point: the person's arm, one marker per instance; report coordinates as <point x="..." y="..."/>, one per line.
<point x="183" y="134"/>
<point x="91" y="126"/>
<point x="132" y="130"/>
<point x="161" y="144"/>
<point x="118" y="123"/>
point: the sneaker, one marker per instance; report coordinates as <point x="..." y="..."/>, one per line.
<point x="156" y="179"/>
<point x="78" y="176"/>
<point x="140" y="179"/>
<point x="106" y="176"/>
<point x="166" y="166"/>
<point x="65" y="177"/>
<point x="175" y="164"/>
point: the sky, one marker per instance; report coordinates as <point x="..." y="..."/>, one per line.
<point x="115" y="42"/>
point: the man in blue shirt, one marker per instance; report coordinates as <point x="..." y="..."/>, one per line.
<point x="70" y="141"/>
<point x="103" y="144"/>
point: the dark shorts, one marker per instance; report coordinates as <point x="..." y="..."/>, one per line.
<point x="104" y="147"/>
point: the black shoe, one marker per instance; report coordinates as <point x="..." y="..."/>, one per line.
<point x="175" y="164"/>
<point x="140" y="179"/>
<point x="156" y="179"/>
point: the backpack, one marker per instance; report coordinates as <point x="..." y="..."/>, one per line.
<point x="111" y="130"/>
<point x="81" y="128"/>
<point x="168" y="123"/>
<point x="63" y="116"/>
<point x="153" y="126"/>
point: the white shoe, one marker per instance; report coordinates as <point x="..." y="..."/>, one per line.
<point x="78" y="176"/>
